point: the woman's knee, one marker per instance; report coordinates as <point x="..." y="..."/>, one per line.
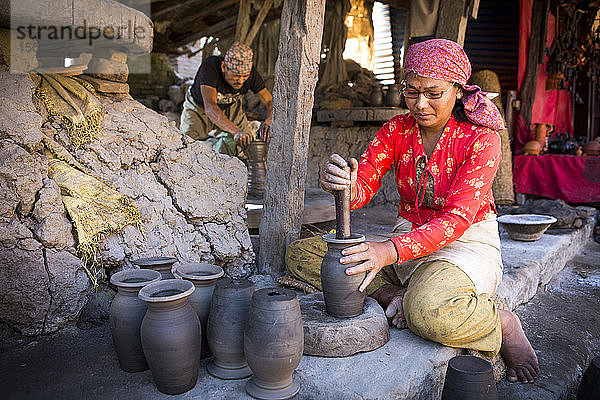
<point x="433" y="317"/>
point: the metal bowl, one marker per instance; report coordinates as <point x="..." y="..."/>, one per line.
<point x="526" y="227"/>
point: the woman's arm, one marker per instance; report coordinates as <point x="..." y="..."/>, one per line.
<point x="375" y="162"/>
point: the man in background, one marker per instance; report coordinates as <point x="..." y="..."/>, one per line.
<point x="212" y="109"/>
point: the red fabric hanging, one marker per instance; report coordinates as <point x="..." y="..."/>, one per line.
<point x="550" y="106"/>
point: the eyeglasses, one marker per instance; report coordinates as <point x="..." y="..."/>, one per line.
<point x="429" y="94"/>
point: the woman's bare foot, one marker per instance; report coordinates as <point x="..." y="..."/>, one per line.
<point x="521" y="361"/>
<point x="390" y="298"/>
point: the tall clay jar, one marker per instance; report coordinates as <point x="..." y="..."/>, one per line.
<point x="273" y="343"/>
<point x="204" y="277"/>
<point x="393" y="97"/>
<point x="171" y="335"/>
<point x="257" y="167"/>
<point x="126" y="314"/>
<point x="160" y="264"/>
<point x="377" y="96"/>
<point x="225" y="331"/>
<point x="340" y="291"/>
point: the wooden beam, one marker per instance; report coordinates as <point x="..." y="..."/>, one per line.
<point x="174" y="7"/>
<point x="189" y="20"/>
<point x="264" y="10"/>
<point x="296" y="74"/>
<point x="243" y="20"/>
<point x="211" y="30"/>
<point x="452" y="20"/>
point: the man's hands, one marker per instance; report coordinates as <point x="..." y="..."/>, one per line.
<point x="375" y="256"/>
<point x="242" y="138"/>
<point x="265" y="130"/>
<point x="333" y="177"/>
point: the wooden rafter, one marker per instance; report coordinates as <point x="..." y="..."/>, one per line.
<point x="243" y="20"/>
<point x="213" y="30"/>
<point x="264" y="10"/>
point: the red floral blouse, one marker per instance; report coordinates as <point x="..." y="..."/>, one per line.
<point x="462" y="168"/>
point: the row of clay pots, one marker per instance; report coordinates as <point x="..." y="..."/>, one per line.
<point x="391" y="98"/>
<point x="240" y="325"/>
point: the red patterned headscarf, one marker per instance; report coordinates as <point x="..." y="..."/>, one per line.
<point x="445" y="60"/>
<point x="239" y="58"/>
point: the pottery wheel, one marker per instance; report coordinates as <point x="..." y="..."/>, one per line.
<point x="329" y="336"/>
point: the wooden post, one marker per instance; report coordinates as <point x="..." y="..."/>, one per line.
<point x="452" y="20"/>
<point x="243" y="20"/>
<point x="296" y="73"/>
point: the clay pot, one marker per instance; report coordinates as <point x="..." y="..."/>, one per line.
<point x="171" y="335"/>
<point x="257" y="168"/>
<point x="393" y="97"/>
<point x="541" y="132"/>
<point x="469" y="378"/>
<point x="340" y="291"/>
<point x="160" y="264"/>
<point x="204" y="277"/>
<point x="532" y="148"/>
<point x="377" y="96"/>
<point x="126" y="314"/>
<point x="225" y="331"/>
<point x="273" y="343"/>
<point x="589" y="388"/>
<point x="592" y="148"/>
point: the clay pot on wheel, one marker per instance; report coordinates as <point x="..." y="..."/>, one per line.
<point x="257" y="168"/>
<point x="340" y="291"/>
<point x="393" y="97"/>
<point x="225" y="330"/>
<point x="469" y="378"/>
<point x="160" y="264"/>
<point x="204" y="277"/>
<point x="126" y="314"/>
<point x="171" y="335"/>
<point x="273" y="343"/>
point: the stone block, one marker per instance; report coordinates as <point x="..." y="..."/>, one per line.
<point x="329" y="336"/>
<point x="110" y="54"/>
<point x="109" y="70"/>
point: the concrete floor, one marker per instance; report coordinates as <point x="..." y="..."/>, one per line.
<point x="562" y="321"/>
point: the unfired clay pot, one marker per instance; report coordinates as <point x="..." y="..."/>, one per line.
<point x="171" y="335"/>
<point x="377" y="96"/>
<point x="160" y="264"/>
<point x="204" y="277"/>
<point x="393" y="98"/>
<point x="257" y="168"/>
<point x="469" y="377"/>
<point x="126" y="314"/>
<point x="340" y="291"/>
<point x="225" y="331"/>
<point x="273" y="343"/>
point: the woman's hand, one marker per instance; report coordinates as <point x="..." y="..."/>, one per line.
<point x="333" y="177"/>
<point x="375" y="255"/>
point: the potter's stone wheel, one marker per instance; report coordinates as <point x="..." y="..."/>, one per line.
<point x="328" y="336"/>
